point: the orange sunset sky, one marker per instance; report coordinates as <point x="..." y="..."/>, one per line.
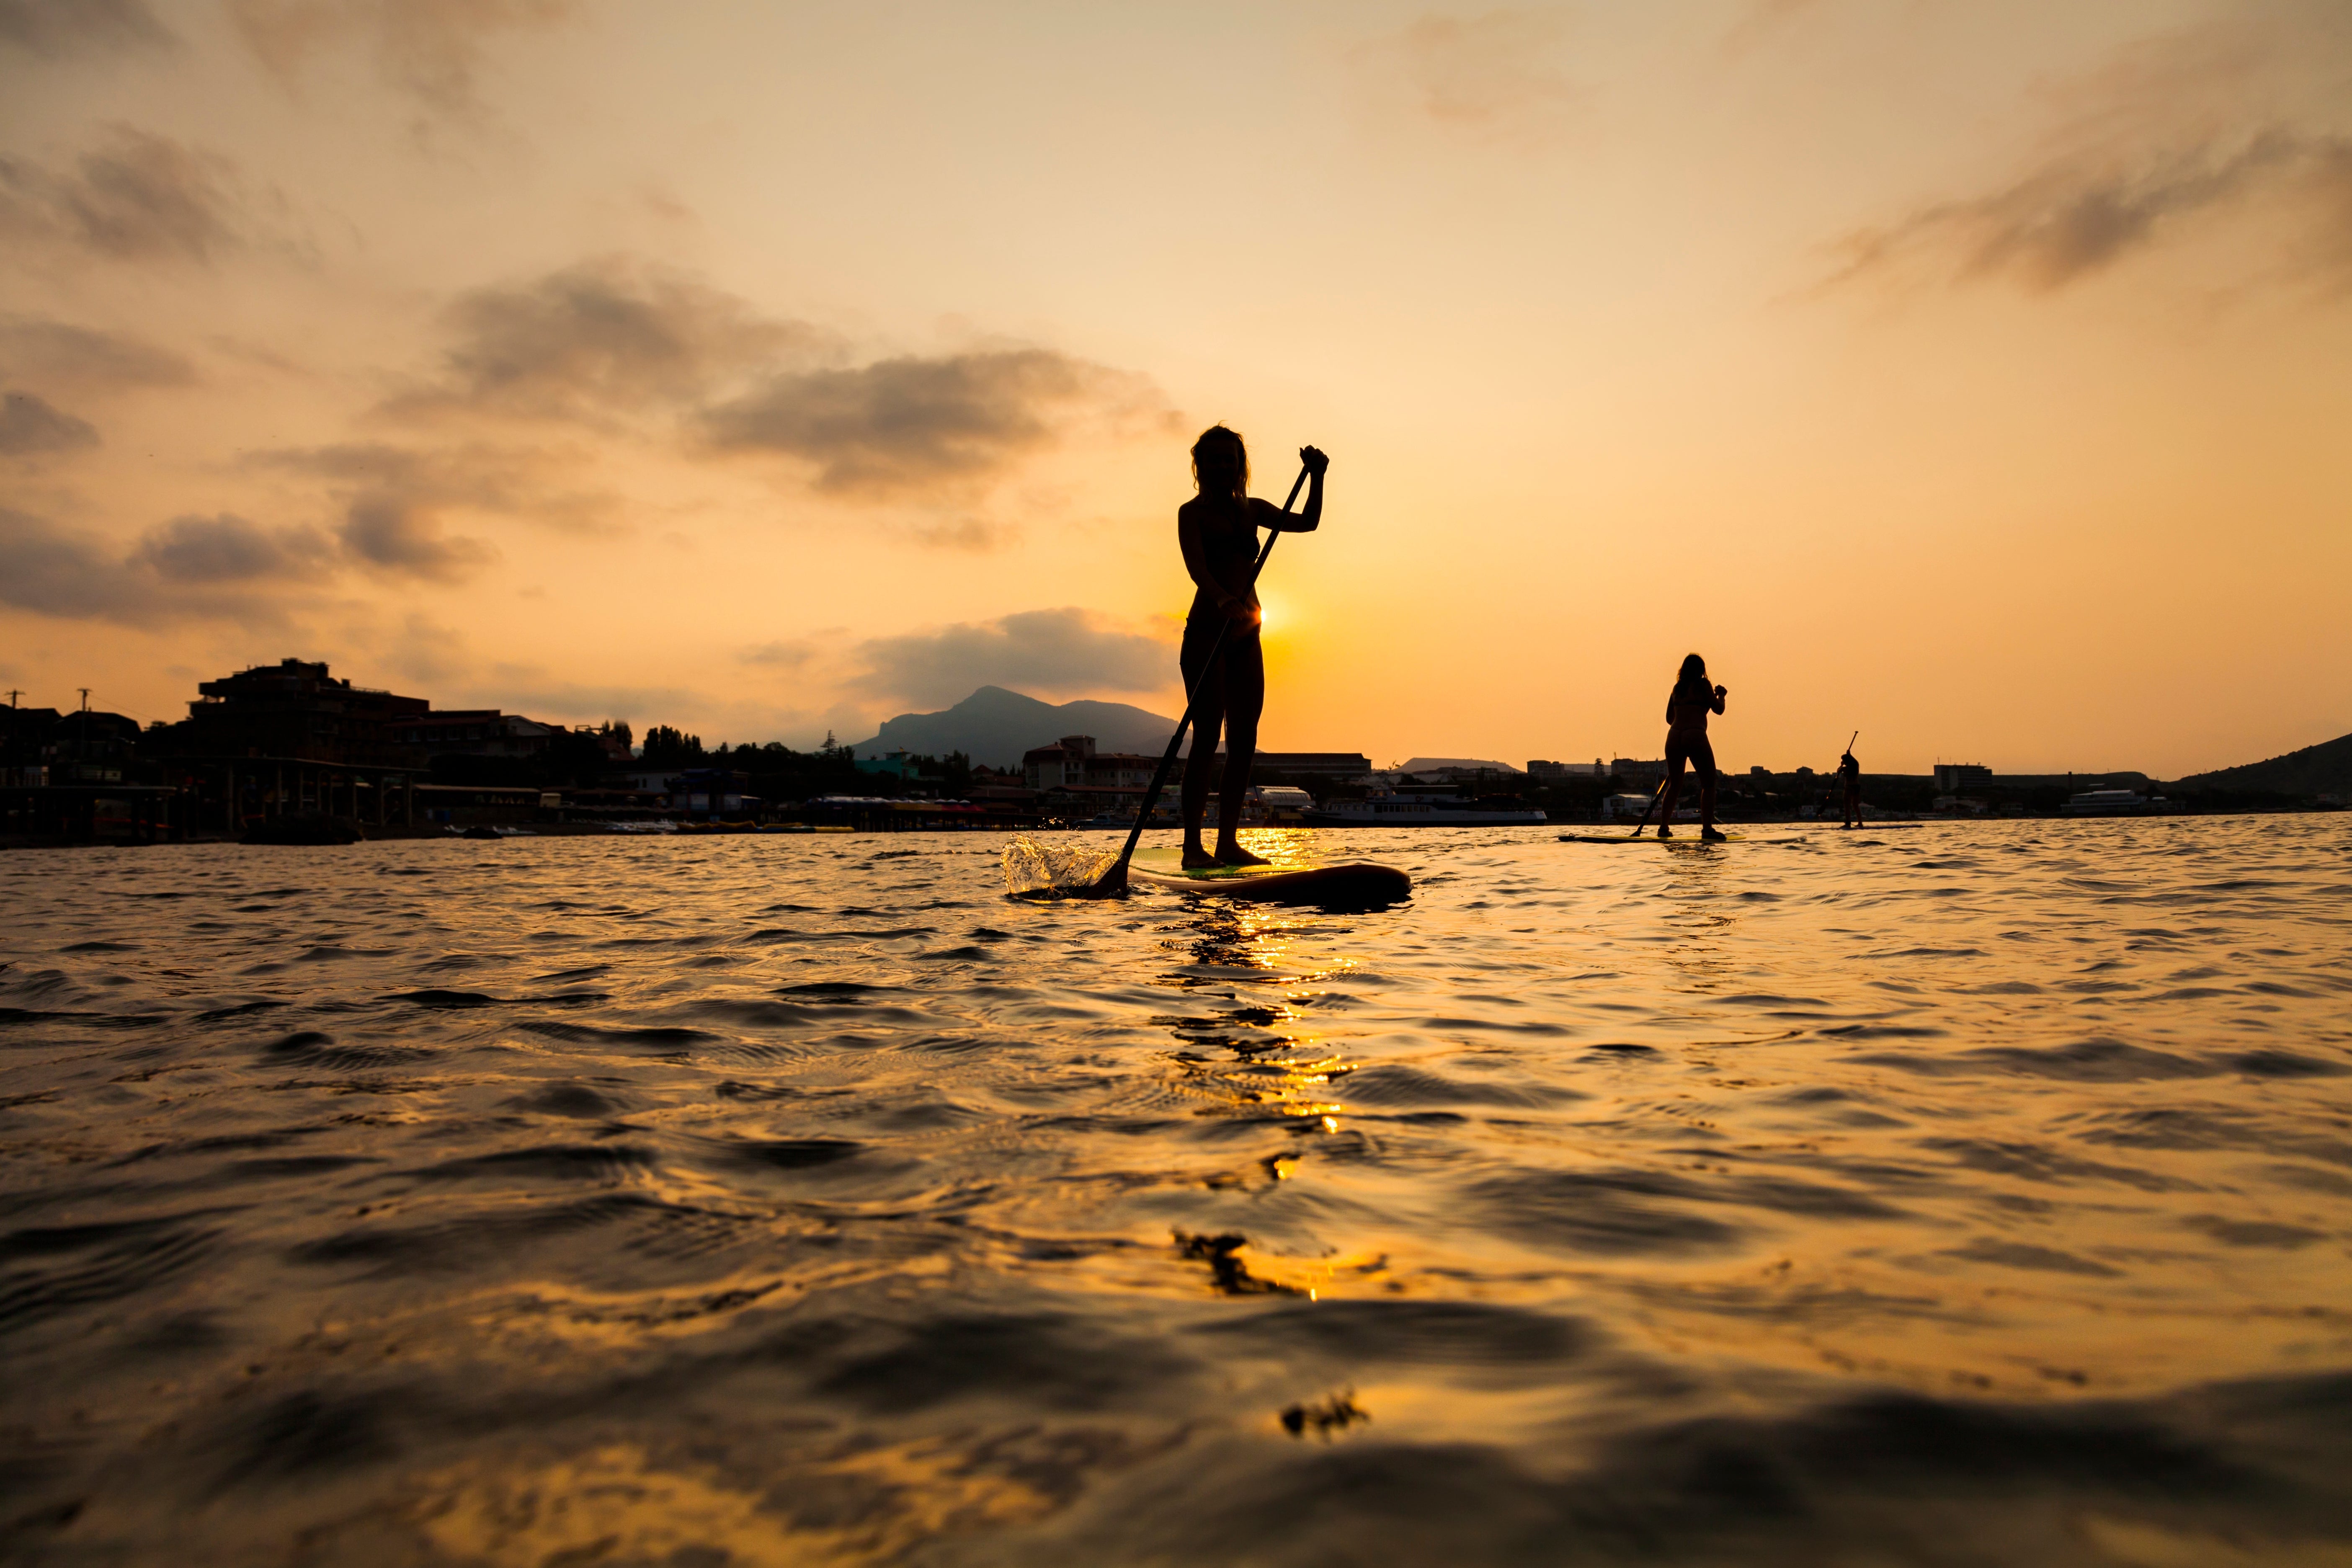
<point x="1974" y="374"/>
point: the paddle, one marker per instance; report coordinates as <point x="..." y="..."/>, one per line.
<point x="1655" y="796"/>
<point x="1114" y="880"/>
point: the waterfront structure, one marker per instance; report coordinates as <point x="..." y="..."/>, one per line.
<point x="704" y="792"/>
<point x="290" y="739"/>
<point x="295" y="709"/>
<point x="1072" y="764"/>
<point x="473" y="733"/>
<point x="1953" y="777"/>
<point x="1552" y="773"/>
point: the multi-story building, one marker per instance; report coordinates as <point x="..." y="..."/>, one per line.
<point x="295" y="709"/>
<point x="288" y="738"/>
<point x="474" y="732"/>
<point x="1072" y="764"/>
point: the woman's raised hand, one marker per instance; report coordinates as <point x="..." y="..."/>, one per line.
<point x="1315" y="460"/>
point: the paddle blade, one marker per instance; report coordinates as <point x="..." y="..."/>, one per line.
<point x="1039" y="871"/>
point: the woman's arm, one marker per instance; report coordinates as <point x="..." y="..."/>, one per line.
<point x="1716" y="701"/>
<point x="1266" y="514"/>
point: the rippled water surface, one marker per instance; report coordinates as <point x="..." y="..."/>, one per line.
<point x="1965" y="1194"/>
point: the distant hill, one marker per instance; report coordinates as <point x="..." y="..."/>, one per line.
<point x="995" y="726"/>
<point x="1430" y="765"/>
<point x="2323" y="769"/>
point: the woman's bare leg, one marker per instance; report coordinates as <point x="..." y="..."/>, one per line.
<point x="1239" y="755"/>
<point x="1244" y="700"/>
<point x="1206" y="720"/>
<point x="1666" y="800"/>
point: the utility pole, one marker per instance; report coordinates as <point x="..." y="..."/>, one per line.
<point x="85" y="724"/>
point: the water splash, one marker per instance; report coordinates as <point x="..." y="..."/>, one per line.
<point x="1035" y="870"/>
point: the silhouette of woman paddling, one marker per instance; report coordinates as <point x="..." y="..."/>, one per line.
<point x="1217" y="530"/>
<point x="1686" y="709"/>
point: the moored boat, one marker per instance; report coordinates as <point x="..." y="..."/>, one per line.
<point x="2118" y="803"/>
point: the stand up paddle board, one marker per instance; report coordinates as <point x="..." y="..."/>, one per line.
<point x="1646" y="839"/>
<point x="1348" y="882"/>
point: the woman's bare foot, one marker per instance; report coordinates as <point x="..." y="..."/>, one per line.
<point x="1198" y="859"/>
<point x="1235" y="855"/>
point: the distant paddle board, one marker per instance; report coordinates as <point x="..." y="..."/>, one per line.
<point x="1347" y="883"/>
<point x="1648" y="838"/>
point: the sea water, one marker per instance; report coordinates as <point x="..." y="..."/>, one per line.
<point x="1969" y="1194"/>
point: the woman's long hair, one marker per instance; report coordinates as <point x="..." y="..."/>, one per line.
<point x="1220" y="459"/>
<point x="1693" y="671"/>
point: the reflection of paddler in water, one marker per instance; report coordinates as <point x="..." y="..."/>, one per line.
<point x="1850" y="777"/>
<point x="1686" y="709"/>
<point x="1218" y="531"/>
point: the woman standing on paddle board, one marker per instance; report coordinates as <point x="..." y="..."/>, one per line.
<point x="1686" y="709"/>
<point x="1217" y="531"/>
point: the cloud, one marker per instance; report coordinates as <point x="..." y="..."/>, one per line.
<point x="229" y="549"/>
<point x="425" y="650"/>
<point x="602" y="337"/>
<point x="397" y="534"/>
<point x="621" y="347"/>
<point x="55" y="28"/>
<point x="1493" y="78"/>
<point x="911" y="424"/>
<point x="55" y="573"/>
<point x="191" y="568"/>
<point x="1067" y="649"/>
<point x="393" y="499"/>
<point x="54" y="353"/>
<point x="432" y="50"/>
<point x="2180" y="134"/>
<point x="136" y="197"/>
<point x="2063" y="222"/>
<point x="28" y="424"/>
<point x="794" y="654"/>
<point x="976" y="534"/>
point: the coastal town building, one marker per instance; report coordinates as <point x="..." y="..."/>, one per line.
<point x="1072" y="764"/>
<point x="295" y="708"/>
<point x="289" y="739"/>
<point x="474" y="732"/>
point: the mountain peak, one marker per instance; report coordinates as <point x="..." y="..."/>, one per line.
<point x="997" y="726"/>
